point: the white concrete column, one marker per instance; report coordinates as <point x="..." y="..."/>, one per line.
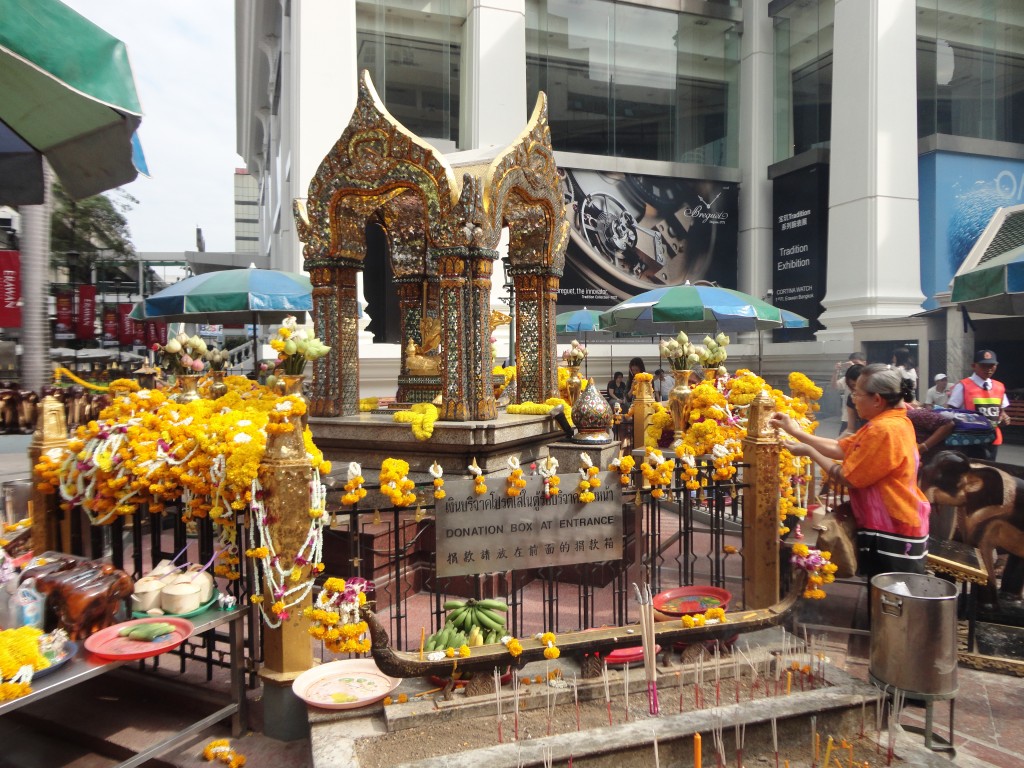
<point x="755" y="148"/>
<point x="319" y="65"/>
<point x="873" y="244"/>
<point x="494" y="108"/>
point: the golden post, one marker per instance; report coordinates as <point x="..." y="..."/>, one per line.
<point x="51" y="435"/>
<point x="760" y="507"/>
<point x="285" y="475"/>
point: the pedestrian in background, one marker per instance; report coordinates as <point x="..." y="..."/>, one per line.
<point x="662" y="385"/>
<point x="843" y="387"/>
<point x="938" y="395"/>
<point x="980" y="392"/>
<point x="904" y="364"/>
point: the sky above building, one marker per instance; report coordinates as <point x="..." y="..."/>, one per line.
<point x="182" y="55"/>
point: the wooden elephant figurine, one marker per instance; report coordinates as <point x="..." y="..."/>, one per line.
<point x="990" y="513"/>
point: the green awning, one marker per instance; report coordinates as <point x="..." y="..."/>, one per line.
<point x="67" y="94"/>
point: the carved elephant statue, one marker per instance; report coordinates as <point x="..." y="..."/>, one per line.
<point x="990" y="512"/>
<point x="9" y="411"/>
<point x="28" y="408"/>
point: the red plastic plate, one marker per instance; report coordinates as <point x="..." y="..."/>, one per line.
<point x="690" y="600"/>
<point x="110" y="645"/>
<point x="628" y="655"/>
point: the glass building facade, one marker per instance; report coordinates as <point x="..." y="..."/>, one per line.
<point x="412" y="51"/>
<point x="628" y="80"/>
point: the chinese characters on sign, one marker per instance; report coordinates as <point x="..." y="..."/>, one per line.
<point x="495" y="532"/>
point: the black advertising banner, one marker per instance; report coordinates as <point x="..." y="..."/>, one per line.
<point x="800" y="247"/>
<point x="632" y="233"/>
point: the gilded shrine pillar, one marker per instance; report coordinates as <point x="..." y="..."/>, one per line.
<point x="760" y="507"/>
<point x="336" y="318"/>
<point x="454" y="310"/>
<point x="536" y="358"/>
<point x="480" y="395"/>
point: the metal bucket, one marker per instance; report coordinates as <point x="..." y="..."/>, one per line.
<point x="913" y="633"/>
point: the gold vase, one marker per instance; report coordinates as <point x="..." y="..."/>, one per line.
<point x="679" y="402"/>
<point x="574" y="384"/>
<point x="217" y="386"/>
<point x="189" y="392"/>
<point x="292" y="384"/>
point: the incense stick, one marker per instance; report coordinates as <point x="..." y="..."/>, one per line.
<point x="497" y="697"/>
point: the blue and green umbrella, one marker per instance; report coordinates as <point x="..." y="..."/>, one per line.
<point x="230" y="297"/>
<point x="577" y="321"/>
<point x="675" y="308"/>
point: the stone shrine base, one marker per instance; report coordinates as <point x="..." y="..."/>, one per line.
<point x="431" y="731"/>
<point x="369" y="438"/>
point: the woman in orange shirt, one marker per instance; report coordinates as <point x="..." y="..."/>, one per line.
<point x="879" y="464"/>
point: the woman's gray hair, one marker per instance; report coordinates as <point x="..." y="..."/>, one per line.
<point x="885" y="381"/>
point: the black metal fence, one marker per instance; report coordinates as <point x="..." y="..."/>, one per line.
<point x="685" y="538"/>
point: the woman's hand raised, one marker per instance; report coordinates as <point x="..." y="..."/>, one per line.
<point x="785" y="422"/>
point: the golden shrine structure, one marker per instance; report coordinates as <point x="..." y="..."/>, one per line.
<point x="443" y="221"/>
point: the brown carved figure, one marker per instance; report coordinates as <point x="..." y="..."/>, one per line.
<point x="990" y="513"/>
<point x="85" y="597"/>
<point x="28" y="408"/>
<point x="8" y="411"/>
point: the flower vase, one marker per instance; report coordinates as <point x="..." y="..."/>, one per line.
<point x="189" y="392"/>
<point x="574" y="384"/>
<point x="217" y="386"/>
<point x="679" y="402"/>
<point x="291" y="384"/>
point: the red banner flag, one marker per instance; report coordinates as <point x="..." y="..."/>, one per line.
<point x="64" y="328"/>
<point x="10" y="289"/>
<point x="156" y="333"/>
<point x="125" y="325"/>
<point x="86" y="320"/>
<point x="109" y="325"/>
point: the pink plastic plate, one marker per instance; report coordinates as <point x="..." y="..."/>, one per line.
<point x="344" y="684"/>
<point x="109" y="644"/>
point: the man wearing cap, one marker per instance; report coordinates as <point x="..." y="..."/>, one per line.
<point x="980" y="392"/>
<point x="937" y="396"/>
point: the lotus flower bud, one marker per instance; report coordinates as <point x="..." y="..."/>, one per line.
<point x="722" y="371"/>
<point x="692" y="359"/>
<point x="173" y="347"/>
<point x="186" y="360"/>
<point x="722" y="339"/>
<point x="197" y="365"/>
<point x="707" y="340"/>
<point x="289" y="347"/>
<point x="682" y="338"/>
<point x="182" y="338"/>
<point x="711" y="345"/>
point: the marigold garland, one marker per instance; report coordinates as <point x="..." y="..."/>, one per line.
<point x="657" y="471"/>
<point x="479" y="481"/>
<point x="421" y="418"/>
<point x="437" y="472"/>
<point x="354" y="491"/>
<point x="541" y="409"/>
<point x="588" y="479"/>
<point x="624" y="465"/>
<point x="335" y="615"/>
<point x="515" y="482"/>
<point x="819" y="569"/>
<point x="221" y="749"/>
<point x="395" y="482"/>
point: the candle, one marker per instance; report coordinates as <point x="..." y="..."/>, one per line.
<point x="696" y="751"/>
<point x="789" y="682"/>
<point x="828" y="751"/>
<point x="423" y="637"/>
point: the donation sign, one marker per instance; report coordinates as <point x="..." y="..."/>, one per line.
<point x="496" y="532"/>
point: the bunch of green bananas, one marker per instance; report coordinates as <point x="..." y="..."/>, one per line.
<point x="469" y="622"/>
<point x="147" y="631"/>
